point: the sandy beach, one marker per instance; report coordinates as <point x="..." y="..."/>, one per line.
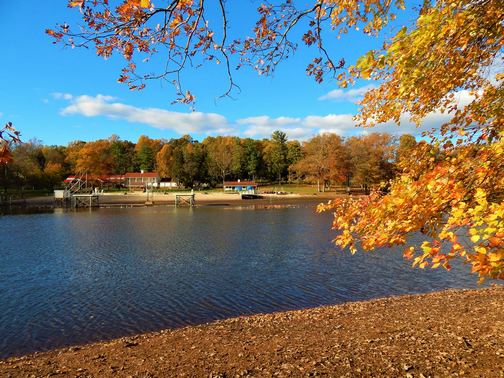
<point x="451" y="333"/>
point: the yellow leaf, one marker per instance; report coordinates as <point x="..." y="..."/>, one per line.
<point x="475" y="238"/>
<point x="494" y="257"/>
<point x="145" y="3"/>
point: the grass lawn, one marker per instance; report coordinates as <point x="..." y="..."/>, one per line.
<point x="290" y="188"/>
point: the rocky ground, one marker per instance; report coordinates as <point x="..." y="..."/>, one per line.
<point x="452" y="333"/>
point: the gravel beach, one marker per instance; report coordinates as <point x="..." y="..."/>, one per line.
<point x="450" y="333"/>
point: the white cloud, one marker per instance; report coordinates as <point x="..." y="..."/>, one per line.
<point x="223" y="131"/>
<point x="350" y="95"/>
<point x="182" y="123"/>
<point x="268" y="121"/>
<point x="62" y="96"/>
<point x="463" y="98"/>
<point x="259" y="131"/>
<point x="261" y="126"/>
<point x="337" y="123"/>
<point x="297" y="128"/>
<point x="264" y="126"/>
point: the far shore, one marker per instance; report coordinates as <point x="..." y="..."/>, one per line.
<point x="202" y="199"/>
<point x="450" y="333"/>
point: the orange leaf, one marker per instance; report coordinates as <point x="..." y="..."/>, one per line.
<point x="76" y="3"/>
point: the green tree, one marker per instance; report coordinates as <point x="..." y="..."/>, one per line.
<point x="294" y="153"/>
<point x="252" y="157"/>
<point x="123" y="153"/>
<point x="194" y="171"/>
<point x="145" y="153"/>
<point x="278" y="155"/>
<point x="27" y="170"/>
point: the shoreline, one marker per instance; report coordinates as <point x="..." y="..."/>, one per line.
<point x="201" y="199"/>
<point x="448" y="333"/>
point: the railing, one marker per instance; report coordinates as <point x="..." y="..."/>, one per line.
<point x="77" y="185"/>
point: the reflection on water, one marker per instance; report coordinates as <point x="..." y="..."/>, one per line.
<point x="75" y="277"/>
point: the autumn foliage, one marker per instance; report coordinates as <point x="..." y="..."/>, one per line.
<point x="9" y="137"/>
<point x="449" y="186"/>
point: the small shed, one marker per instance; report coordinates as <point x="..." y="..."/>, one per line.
<point x="167" y="183"/>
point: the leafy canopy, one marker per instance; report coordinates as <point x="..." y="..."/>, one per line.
<point x="451" y="188"/>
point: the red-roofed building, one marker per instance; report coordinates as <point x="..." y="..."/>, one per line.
<point x="142" y="180"/>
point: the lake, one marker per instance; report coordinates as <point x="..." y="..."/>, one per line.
<point x="75" y="277"/>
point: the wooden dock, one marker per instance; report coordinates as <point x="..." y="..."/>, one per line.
<point x="184" y="199"/>
<point x="85" y="200"/>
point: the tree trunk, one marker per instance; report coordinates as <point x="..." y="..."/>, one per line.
<point x="5" y="176"/>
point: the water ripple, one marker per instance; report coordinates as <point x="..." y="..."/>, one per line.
<point x="78" y="277"/>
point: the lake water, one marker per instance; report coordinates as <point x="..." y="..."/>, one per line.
<point x="76" y="277"/>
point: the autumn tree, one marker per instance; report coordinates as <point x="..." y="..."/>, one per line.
<point x="9" y="137"/>
<point x="72" y="154"/>
<point x="407" y="144"/>
<point x="451" y="188"/>
<point x="371" y="159"/>
<point x="165" y="161"/>
<point x="321" y="161"/>
<point x="451" y="48"/>
<point x="222" y="156"/>
<point x="55" y="168"/>
<point x="95" y="158"/>
<point x="188" y="35"/>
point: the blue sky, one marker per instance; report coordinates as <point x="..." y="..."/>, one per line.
<point x="58" y="94"/>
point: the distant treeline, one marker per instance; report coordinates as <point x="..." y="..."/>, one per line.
<point x="326" y="160"/>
